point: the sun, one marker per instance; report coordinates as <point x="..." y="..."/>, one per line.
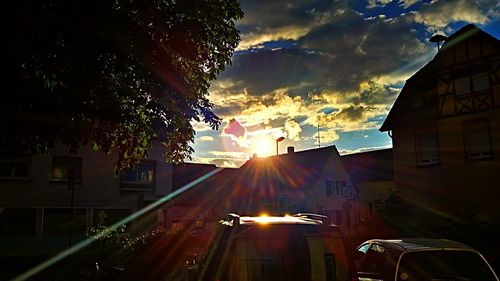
<point x="263" y="145"/>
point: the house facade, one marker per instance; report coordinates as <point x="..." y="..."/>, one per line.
<point x="47" y="202"/>
<point x="372" y="174"/>
<point x="445" y="128"/>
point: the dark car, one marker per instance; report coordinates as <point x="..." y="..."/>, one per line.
<point x="422" y="260"/>
<point x="266" y="248"/>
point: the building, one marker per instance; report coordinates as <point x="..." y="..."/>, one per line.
<point x="304" y="181"/>
<point x="47" y="202"/>
<point x="445" y="128"/>
<point x="372" y="174"/>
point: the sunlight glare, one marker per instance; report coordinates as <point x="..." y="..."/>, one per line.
<point x="263" y="145"/>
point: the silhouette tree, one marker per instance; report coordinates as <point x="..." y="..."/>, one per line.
<point x="115" y="75"/>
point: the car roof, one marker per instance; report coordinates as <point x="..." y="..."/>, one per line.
<point x="301" y="219"/>
<point x="418" y="244"/>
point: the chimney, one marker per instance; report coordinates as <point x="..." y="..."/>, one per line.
<point x="290" y="149"/>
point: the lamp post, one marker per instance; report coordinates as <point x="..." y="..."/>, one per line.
<point x="280" y="139"/>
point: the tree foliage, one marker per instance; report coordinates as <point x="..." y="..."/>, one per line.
<point x="115" y="75"/>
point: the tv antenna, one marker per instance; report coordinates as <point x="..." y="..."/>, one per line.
<point x="438" y="38"/>
<point x="319" y="137"/>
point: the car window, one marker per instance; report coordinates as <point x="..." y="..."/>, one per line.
<point x="444" y="265"/>
<point x="375" y="259"/>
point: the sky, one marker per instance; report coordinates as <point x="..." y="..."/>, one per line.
<point x="328" y="66"/>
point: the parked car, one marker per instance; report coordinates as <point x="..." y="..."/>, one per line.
<point x="422" y="260"/>
<point x="267" y="248"/>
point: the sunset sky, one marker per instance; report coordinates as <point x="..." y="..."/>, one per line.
<point x="339" y="64"/>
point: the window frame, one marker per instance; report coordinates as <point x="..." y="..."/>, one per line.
<point x="418" y="150"/>
<point x="490" y="142"/>
<point x="78" y="174"/>
<point x="13" y="162"/>
<point x="126" y="185"/>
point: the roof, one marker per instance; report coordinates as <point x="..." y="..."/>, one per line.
<point x="277" y="220"/>
<point x="297" y="172"/>
<point x="367" y="166"/>
<point x="301" y="218"/>
<point x="402" y="112"/>
<point x="414" y="244"/>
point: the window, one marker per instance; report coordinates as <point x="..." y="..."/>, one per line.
<point x="14" y="169"/>
<point x="462" y="86"/>
<point x="65" y="166"/>
<point x="330" y="267"/>
<point x="375" y="259"/>
<point x="477" y="139"/>
<point x="480" y="82"/>
<point x="140" y="177"/>
<point x="17" y="221"/>
<point x="329" y="187"/>
<point x="341" y="188"/>
<point x="426" y="148"/>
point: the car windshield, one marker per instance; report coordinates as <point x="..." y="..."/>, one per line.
<point x="283" y="252"/>
<point x="444" y="265"/>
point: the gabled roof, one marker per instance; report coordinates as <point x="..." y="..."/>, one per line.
<point x="402" y="113"/>
<point x="295" y="169"/>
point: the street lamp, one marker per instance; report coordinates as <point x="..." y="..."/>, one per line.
<point x="280" y="139"/>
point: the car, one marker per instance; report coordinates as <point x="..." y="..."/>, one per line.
<point x="421" y="259"/>
<point x="274" y="248"/>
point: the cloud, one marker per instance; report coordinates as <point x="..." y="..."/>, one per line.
<point x="206" y="138"/>
<point x="377" y="3"/>
<point x="328" y="136"/>
<point x="407" y="3"/>
<point x="292" y="130"/>
<point x="440" y="13"/>
<point x="234" y="128"/>
<point x="337" y="53"/>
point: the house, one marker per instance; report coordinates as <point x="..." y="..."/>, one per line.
<point x="372" y="174"/>
<point x="296" y="182"/>
<point x="445" y="128"/>
<point x="304" y="181"/>
<point x="48" y="201"/>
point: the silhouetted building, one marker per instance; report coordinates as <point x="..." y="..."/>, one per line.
<point x="304" y="181"/>
<point x="47" y="202"/>
<point x="372" y="174"/>
<point x="445" y="127"/>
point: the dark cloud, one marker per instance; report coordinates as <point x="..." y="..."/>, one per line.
<point x="339" y="52"/>
<point x="235" y="128"/>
